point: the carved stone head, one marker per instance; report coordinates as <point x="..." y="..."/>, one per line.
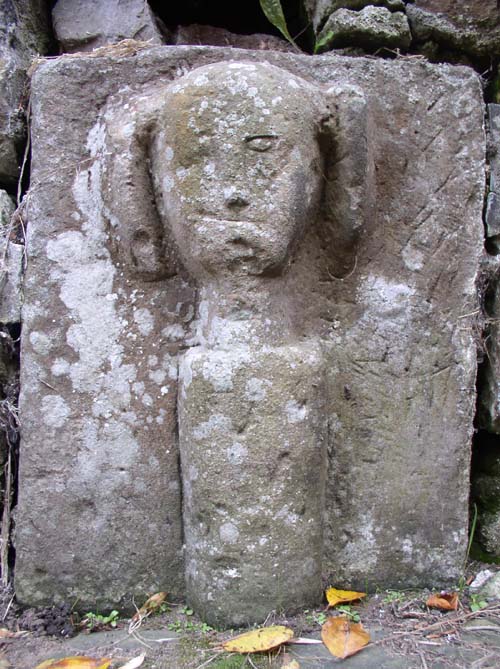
<point x="222" y="170"/>
<point x="237" y="165"/>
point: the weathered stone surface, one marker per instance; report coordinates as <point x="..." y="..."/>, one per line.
<point x="81" y="25"/>
<point x="491" y="589"/>
<point x="23" y="33"/>
<point x="110" y="298"/>
<point x="489" y="378"/>
<point x="253" y="451"/>
<point x="320" y="10"/>
<point x="7" y="208"/>
<point x="472" y="26"/>
<point x="11" y="266"/>
<point x="11" y="275"/>
<point x="201" y="34"/>
<point x="370" y="28"/>
<point x="493" y="201"/>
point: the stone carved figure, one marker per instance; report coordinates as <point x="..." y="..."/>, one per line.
<point x="175" y="306"/>
<point x="239" y="156"/>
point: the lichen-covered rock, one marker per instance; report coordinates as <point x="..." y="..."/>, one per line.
<point x="11" y="275"/>
<point x="7" y="208"/>
<point x="83" y="25"/>
<point x="110" y="303"/>
<point x="370" y="28"/>
<point x="492" y="217"/>
<point x="320" y="10"/>
<point x="23" y="34"/>
<point x="472" y="27"/>
<point x="489" y="378"/>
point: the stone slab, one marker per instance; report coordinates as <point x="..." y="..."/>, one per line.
<point x="81" y="25"/>
<point x="11" y="282"/>
<point x="99" y="470"/>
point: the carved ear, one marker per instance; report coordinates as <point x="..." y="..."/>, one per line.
<point x="140" y="237"/>
<point x="348" y="193"/>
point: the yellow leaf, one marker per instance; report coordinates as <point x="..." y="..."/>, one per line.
<point x="76" y="662"/>
<point x="342" y="637"/>
<point x="446" y="601"/>
<point x="334" y="596"/>
<point x="150" y="605"/>
<point x="259" y="640"/>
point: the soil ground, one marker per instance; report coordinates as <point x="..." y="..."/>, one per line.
<point x="405" y="634"/>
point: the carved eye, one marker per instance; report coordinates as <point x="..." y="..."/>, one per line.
<point x="261" y="143"/>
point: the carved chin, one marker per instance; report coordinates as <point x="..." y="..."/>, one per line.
<point x="239" y="247"/>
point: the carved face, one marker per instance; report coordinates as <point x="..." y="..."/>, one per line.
<point x="237" y="167"/>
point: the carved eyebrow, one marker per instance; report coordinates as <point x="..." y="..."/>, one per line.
<point x="249" y="138"/>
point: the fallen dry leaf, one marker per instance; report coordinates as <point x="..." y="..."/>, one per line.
<point x="259" y="640"/>
<point x="150" y="605"/>
<point x="342" y="637"/>
<point x="134" y="662"/>
<point x="446" y="601"/>
<point x="76" y="662"/>
<point x="334" y="596"/>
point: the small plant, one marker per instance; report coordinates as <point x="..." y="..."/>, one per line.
<point x="315" y="617"/>
<point x="94" y="621"/>
<point x="393" y="596"/>
<point x="347" y="610"/>
<point x="477" y="602"/>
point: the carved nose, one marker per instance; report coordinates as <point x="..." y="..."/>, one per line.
<point x="237" y="200"/>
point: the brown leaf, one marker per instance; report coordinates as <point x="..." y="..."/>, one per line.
<point x="259" y="640"/>
<point x="335" y="596"/>
<point x="76" y="662"/>
<point x="342" y="637"/>
<point x="446" y="601"/>
<point x="150" y="605"/>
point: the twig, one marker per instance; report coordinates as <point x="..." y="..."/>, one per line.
<point x="424" y="663"/>
<point x="483" y="628"/>
<point x="48" y="385"/>
<point x="211" y="659"/>
<point x="8" y="608"/>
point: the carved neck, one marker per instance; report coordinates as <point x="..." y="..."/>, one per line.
<point x="255" y="313"/>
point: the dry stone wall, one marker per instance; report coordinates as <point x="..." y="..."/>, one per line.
<point x="253" y="362"/>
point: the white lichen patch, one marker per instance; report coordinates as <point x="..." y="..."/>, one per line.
<point x="256" y="389"/>
<point x="385" y="298"/>
<point x="55" y="410"/>
<point x="41" y="342"/>
<point x="295" y="412"/>
<point x="229" y="533"/>
<point x="144" y="320"/>
<point x="217" y="424"/>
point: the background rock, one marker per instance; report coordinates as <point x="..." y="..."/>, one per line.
<point x="472" y="26"/>
<point x="370" y="28"/>
<point x="201" y="34"/>
<point x="320" y="10"/>
<point x="83" y="25"/>
<point x="24" y="32"/>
